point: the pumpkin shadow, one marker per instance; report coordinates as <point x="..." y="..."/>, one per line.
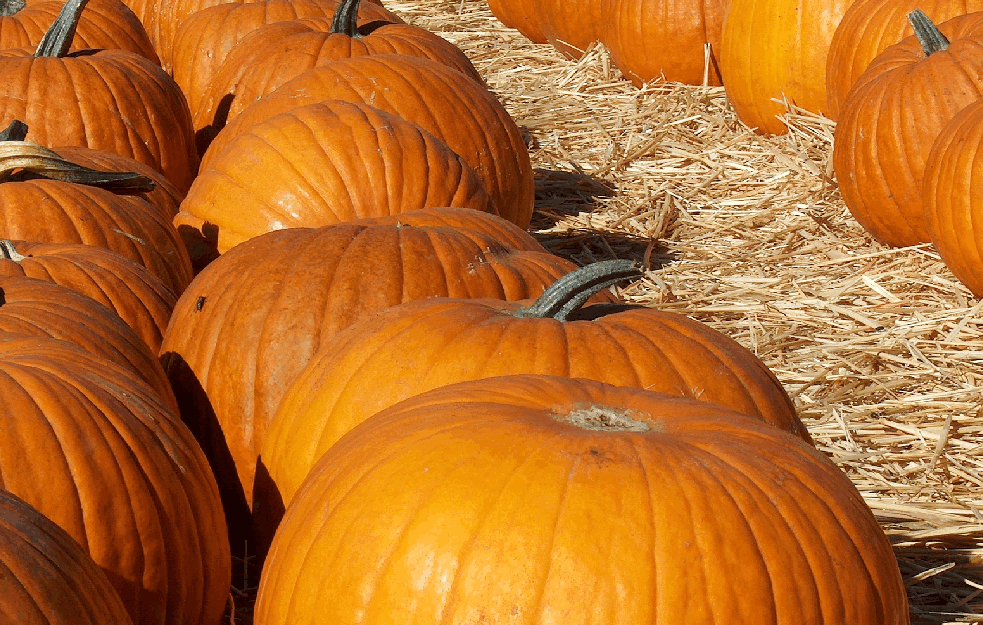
<point x="561" y="194"/>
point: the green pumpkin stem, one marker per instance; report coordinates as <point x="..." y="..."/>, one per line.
<point x="20" y="160"/>
<point x="58" y="38"/>
<point x="345" y="21"/>
<point x="16" y="131"/>
<point x="927" y="32"/>
<point x="9" y="252"/>
<point x="568" y="294"/>
<point x="11" y="7"/>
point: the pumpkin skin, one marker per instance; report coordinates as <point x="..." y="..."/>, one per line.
<point x="38" y="308"/>
<point x="636" y="32"/>
<point x="51" y="211"/>
<point x="953" y="177"/>
<point x="45" y="576"/>
<point x="572" y="29"/>
<point x="456" y="110"/>
<point x="140" y="299"/>
<point x="112" y="100"/>
<point x="430" y="343"/>
<point x="230" y="363"/>
<point x="318" y="165"/>
<point x="120" y="474"/>
<point x="892" y="116"/>
<point x="868" y="27"/>
<point x="777" y="49"/>
<point x="104" y="24"/>
<point x="273" y="54"/>
<point x="206" y="37"/>
<point x="523" y="15"/>
<point x="540" y="499"/>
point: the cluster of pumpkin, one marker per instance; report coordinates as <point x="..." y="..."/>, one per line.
<point x="367" y="367"/>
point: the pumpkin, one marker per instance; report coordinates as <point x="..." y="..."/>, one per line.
<point x="139" y="298"/>
<point x="868" y="27"/>
<point x="47" y="210"/>
<point x="636" y="32"/>
<point x="317" y="165"/>
<point x="38" y="308"/>
<point x="206" y="37"/>
<point x="273" y="54"/>
<point x="545" y="499"/>
<point x="425" y="344"/>
<point x="114" y="100"/>
<point x="93" y="448"/>
<point x="105" y="24"/>
<point x="523" y="15"/>
<point x="256" y="315"/>
<point x="442" y="101"/>
<point x="45" y="576"/>
<point x="774" y="52"/>
<point x="951" y="195"/>
<point x="572" y="27"/>
<point x="892" y="117"/>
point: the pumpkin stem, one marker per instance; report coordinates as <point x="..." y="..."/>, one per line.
<point x="16" y="131"/>
<point x="21" y="160"/>
<point x="11" y="7"/>
<point x="927" y="32"/>
<point x="9" y="252"/>
<point x="345" y="20"/>
<point x="58" y="38"/>
<point x="568" y="294"/>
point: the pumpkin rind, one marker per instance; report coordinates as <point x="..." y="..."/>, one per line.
<point x="514" y="499"/>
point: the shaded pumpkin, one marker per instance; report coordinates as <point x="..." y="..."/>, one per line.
<point x="206" y="37"/>
<point x="453" y="108"/>
<point x="120" y="473"/>
<point x="551" y="499"/>
<point x="868" y="27"/>
<point x="950" y="193"/>
<point x="425" y="344"/>
<point x="139" y="298"/>
<point x="45" y="576"/>
<point x="773" y="52"/>
<point x="523" y="15"/>
<point x="274" y="53"/>
<point x="317" y="165"/>
<point x="256" y="315"/>
<point x="892" y="117"/>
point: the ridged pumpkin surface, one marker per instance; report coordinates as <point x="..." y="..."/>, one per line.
<point x="455" y="109"/>
<point x="51" y="211"/>
<point x="868" y="28"/>
<point x="140" y="299"/>
<point x="45" y="576"/>
<point x="890" y="120"/>
<point x="322" y="164"/>
<point x="523" y="15"/>
<point x="206" y="37"/>
<point x="94" y="449"/>
<point x="531" y="499"/>
<point x="953" y="206"/>
<point x="255" y="316"/>
<point x="422" y="345"/>
<point x="777" y="49"/>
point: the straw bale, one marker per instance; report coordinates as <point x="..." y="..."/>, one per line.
<point x="881" y="349"/>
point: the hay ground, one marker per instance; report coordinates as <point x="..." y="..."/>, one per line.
<point x="880" y="348"/>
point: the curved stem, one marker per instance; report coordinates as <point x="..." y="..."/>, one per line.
<point x="9" y="252"/>
<point x="16" y="131"/>
<point x="927" y="32"/>
<point x="11" y="7"/>
<point x="21" y="160"/>
<point x="568" y="294"/>
<point x="58" y="38"/>
<point x="345" y="20"/>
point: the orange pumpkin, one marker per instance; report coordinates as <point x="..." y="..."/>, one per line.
<point x="543" y="499"/>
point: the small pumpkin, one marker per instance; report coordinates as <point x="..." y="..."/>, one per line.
<point x="45" y="576"/>
<point x="551" y="499"/>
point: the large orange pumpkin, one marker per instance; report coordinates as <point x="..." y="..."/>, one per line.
<point x="45" y="576"/>
<point x="534" y="499"/>
<point x="442" y="101"/>
<point x="773" y="52"/>
<point x="425" y="344"/>
<point x="93" y="448"/>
